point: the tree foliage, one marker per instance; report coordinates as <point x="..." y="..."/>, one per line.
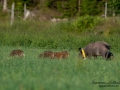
<point x="91" y="7"/>
<point x="69" y="8"/>
<point x="114" y="7"/>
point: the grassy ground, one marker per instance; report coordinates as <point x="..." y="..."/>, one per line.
<point x="31" y="73"/>
<point x="53" y="36"/>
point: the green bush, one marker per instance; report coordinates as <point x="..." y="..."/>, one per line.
<point x="86" y="23"/>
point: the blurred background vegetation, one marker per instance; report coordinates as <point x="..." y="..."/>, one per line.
<point x="84" y="24"/>
<point x="65" y="8"/>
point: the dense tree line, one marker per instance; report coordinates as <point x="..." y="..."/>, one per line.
<point x="70" y="8"/>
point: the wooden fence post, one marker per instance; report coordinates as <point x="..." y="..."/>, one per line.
<point x="12" y="14"/>
<point x="105" y="9"/>
<point x="113" y="14"/>
<point x="79" y="6"/>
<point x="4" y="5"/>
<point x="24" y="11"/>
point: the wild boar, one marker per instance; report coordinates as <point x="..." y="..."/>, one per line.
<point x="47" y="54"/>
<point x="58" y="55"/>
<point x="17" y="53"/>
<point x="65" y="54"/>
<point x="62" y="54"/>
<point x="99" y="48"/>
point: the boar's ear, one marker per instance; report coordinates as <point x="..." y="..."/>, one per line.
<point x="108" y="47"/>
<point x="79" y="49"/>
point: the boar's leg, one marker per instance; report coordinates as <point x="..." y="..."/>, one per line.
<point x="89" y="56"/>
<point x="104" y="56"/>
<point x="95" y="57"/>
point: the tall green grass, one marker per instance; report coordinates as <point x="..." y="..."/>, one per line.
<point x="51" y="36"/>
<point x="31" y="73"/>
<point x="73" y="73"/>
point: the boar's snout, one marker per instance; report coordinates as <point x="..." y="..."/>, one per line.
<point x="109" y="55"/>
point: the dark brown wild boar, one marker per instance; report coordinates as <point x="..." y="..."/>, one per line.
<point x="47" y="54"/>
<point x="99" y="48"/>
<point x="58" y="55"/>
<point x="17" y="53"/>
<point x="65" y="54"/>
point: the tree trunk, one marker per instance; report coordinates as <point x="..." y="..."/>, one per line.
<point x="5" y="5"/>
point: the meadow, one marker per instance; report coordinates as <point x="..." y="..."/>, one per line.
<point x="31" y="73"/>
<point x="73" y="73"/>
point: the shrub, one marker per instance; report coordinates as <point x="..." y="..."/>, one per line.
<point x="86" y="23"/>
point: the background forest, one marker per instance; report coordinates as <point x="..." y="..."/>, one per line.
<point x="65" y="8"/>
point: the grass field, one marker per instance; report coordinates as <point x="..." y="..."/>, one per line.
<point x="73" y="73"/>
<point x="31" y="73"/>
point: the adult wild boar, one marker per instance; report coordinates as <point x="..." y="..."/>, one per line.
<point x="99" y="48"/>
